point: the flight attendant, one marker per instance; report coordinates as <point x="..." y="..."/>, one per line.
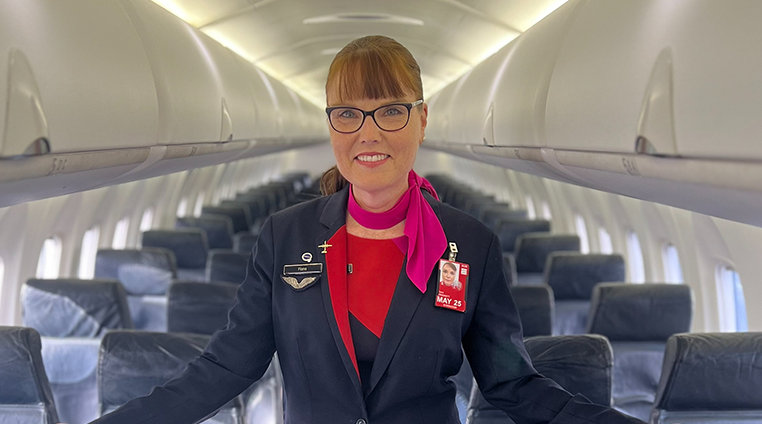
<point x="346" y="287"/>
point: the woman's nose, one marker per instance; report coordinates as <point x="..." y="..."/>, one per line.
<point x="369" y="132"/>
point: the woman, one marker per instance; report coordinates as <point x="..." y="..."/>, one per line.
<point x="344" y="287"/>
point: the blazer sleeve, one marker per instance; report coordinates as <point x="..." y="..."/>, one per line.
<point x="236" y="357"/>
<point x="495" y="349"/>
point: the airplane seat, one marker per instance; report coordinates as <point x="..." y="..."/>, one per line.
<point x="712" y="378"/>
<point x="572" y="277"/>
<point x="478" y="205"/>
<point x="536" y="309"/>
<point x="132" y="363"/>
<point x="259" y="204"/>
<point x="25" y="397"/>
<point x="227" y="266"/>
<point x="264" y="399"/>
<point x="71" y="366"/>
<point x="145" y="274"/>
<point x="74" y="308"/>
<point x="493" y="215"/>
<point x="509" y="229"/>
<point x="579" y="363"/>
<point x="219" y="229"/>
<point x="237" y="211"/>
<point x="200" y="308"/>
<point x="190" y="247"/>
<point x="244" y="242"/>
<point x="638" y="320"/>
<point x="532" y="250"/>
<point x="509" y="265"/>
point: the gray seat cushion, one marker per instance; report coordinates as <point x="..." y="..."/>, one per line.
<point x="147" y="271"/>
<point x="71" y="365"/>
<point x="532" y="249"/>
<point x="219" y="229"/>
<point x="573" y="275"/>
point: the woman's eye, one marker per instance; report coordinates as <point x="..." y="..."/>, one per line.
<point x="394" y="111"/>
<point x="347" y="114"/>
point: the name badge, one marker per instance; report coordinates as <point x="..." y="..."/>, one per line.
<point x="303" y="269"/>
<point x="453" y="281"/>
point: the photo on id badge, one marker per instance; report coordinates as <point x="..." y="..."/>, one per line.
<point x="453" y="277"/>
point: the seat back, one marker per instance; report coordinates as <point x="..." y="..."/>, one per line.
<point x="25" y="395"/>
<point x="219" y="229"/>
<point x="226" y="265"/>
<point x="74" y="308"/>
<point x="132" y="363"/>
<point x="237" y="211"/>
<point x="638" y="319"/>
<point x="580" y="364"/>
<point x="509" y="265"/>
<point x="148" y="271"/>
<point x="508" y="230"/>
<point x="710" y="378"/>
<point x="536" y="309"/>
<point x="532" y="249"/>
<point x="492" y="216"/>
<point x="189" y="245"/>
<point x="244" y="242"/>
<point x="200" y="308"/>
<point x="71" y="366"/>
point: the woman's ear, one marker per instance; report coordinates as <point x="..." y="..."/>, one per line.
<point x="424" y="121"/>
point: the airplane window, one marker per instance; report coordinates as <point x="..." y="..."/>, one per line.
<point x="579" y="224"/>
<point x="146" y="222"/>
<point x="199" y="205"/>
<point x="49" y="263"/>
<point x="635" y="258"/>
<point x="604" y="238"/>
<point x="120" y="234"/>
<point x="182" y="208"/>
<point x="87" y="254"/>
<point x="673" y="272"/>
<point x="546" y="211"/>
<point x="731" y="300"/>
<point x="530" y="208"/>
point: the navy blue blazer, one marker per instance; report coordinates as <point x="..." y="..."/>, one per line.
<point x="420" y="346"/>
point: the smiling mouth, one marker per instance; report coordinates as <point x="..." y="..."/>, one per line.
<point x="371" y="158"/>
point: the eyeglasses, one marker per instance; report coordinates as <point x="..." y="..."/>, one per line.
<point x="393" y="117"/>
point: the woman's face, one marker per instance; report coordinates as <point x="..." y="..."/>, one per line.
<point x="448" y="275"/>
<point x="372" y="159"/>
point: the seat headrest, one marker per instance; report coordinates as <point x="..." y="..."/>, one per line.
<point x="23" y="373"/>
<point x="189" y="245"/>
<point x="74" y="308"/>
<point x="509" y="265"/>
<point x="711" y="372"/>
<point x="508" y="230"/>
<point x="532" y="249"/>
<point x="219" y="229"/>
<point x="133" y="362"/>
<point x="244" y="242"/>
<point x="640" y="312"/>
<point x="226" y="265"/>
<point x="200" y="308"/>
<point x="141" y="272"/>
<point x="572" y="276"/>
<point x="237" y="211"/>
<point x="536" y="309"/>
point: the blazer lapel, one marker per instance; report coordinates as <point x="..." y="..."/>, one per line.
<point x="335" y="297"/>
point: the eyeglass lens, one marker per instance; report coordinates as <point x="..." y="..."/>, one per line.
<point x="388" y="118"/>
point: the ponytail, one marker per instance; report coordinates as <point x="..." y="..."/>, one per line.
<point x="332" y="181"/>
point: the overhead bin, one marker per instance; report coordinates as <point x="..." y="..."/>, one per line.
<point x="683" y="76"/>
<point x="440" y="112"/>
<point x="77" y="82"/>
<point x="289" y="114"/>
<point x="266" y="119"/>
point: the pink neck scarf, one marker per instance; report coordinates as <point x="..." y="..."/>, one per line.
<point x="426" y="241"/>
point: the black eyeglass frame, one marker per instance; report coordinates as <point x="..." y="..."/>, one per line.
<point x="371" y="113"/>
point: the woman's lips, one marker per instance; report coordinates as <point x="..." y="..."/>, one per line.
<point x="372" y="159"/>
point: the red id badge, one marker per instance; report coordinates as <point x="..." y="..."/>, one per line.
<point x="453" y="279"/>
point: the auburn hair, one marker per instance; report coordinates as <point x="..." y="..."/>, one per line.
<point x="372" y="67"/>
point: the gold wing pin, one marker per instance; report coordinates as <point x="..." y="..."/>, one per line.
<point x="298" y="285"/>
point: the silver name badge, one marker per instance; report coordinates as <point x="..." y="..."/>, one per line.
<point x="303" y="269"/>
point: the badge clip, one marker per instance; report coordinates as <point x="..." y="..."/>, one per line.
<point x="453" y="252"/>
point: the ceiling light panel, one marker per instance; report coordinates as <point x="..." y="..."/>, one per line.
<point x="363" y="18"/>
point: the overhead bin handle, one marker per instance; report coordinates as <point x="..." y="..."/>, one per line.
<point x="656" y="124"/>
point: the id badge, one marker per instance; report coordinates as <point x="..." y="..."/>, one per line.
<point x="453" y="280"/>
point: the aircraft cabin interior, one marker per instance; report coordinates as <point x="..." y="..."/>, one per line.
<point x="614" y="147"/>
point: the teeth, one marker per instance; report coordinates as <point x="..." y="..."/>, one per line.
<point x="372" y="158"/>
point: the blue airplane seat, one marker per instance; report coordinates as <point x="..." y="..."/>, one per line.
<point x="227" y="265"/>
<point x="580" y="364"/>
<point x="71" y="366"/>
<point x="190" y="246"/>
<point x="536" y="309"/>
<point x="509" y="229"/>
<point x="509" y="266"/>
<point x="74" y="308"/>
<point x="237" y="211"/>
<point x="244" y="242"/>
<point x="200" y="308"/>
<point x="492" y="216"/>
<point x="25" y="395"/>
<point x="145" y="275"/>
<point x="638" y="319"/>
<point x="219" y="229"/>
<point x="532" y="251"/>
<point x="710" y="378"/>
<point x="572" y="277"/>
<point x="132" y="363"/>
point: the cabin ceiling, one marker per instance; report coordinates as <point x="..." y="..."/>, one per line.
<point x="295" y="40"/>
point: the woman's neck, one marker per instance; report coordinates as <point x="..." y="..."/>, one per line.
<point x="381" y="200"/>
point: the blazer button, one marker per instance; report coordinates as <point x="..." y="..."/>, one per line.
<point x="361" y="421"/>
